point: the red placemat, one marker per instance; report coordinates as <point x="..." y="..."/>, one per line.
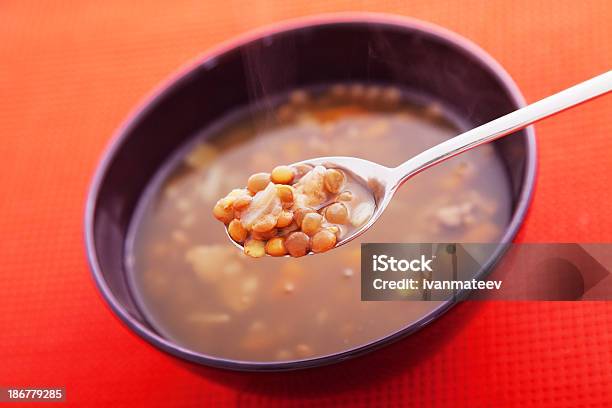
<point x="70" y="72"/>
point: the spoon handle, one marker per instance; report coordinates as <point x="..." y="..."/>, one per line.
<point x="505" y="125"/>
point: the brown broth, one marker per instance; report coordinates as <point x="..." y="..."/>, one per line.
<point x="197" y="289"/>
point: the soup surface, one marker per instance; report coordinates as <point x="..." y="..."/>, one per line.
<point x="197" y="289"/>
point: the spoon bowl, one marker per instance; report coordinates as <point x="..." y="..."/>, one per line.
<point x="375" y="177"/>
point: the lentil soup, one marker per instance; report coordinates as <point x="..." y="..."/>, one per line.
<point x="197" y="289"/>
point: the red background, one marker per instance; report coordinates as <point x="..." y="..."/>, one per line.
<point x="71" y="71"/>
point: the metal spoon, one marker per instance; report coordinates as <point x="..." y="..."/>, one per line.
<point x="384" y="181"/>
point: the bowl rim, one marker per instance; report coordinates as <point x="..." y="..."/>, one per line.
<point x="146" y="104"/>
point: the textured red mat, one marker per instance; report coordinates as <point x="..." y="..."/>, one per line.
<point x="70" y="72"/>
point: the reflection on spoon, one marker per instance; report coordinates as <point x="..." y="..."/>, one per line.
<point x="376" y="185"/>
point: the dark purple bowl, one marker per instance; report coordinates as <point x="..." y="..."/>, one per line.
<point x="419" y="57"/>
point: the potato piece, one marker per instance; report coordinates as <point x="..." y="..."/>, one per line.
<point x="454" y="216"/>
<point x="207" y="261"/>
<point x="212" y="183"/>
<point x="310" y="188"/>
<point x="362" y="213"/>
<point x="265" y="202"/>
<point x="450" y="217"/>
